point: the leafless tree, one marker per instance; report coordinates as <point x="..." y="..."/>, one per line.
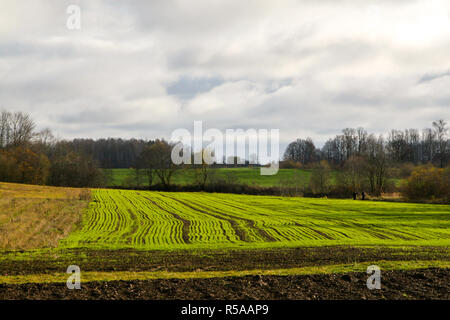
<point x="44" y="140"/>
<point x="440" y="129"/>
<point x="376" y="165"/>
<point x="362" y="140"/>
<point x="147" y="162"/>
<point x="158" y="162"/>
<point x="22" y="128"/>
<point x="352" y="175"/>
<point x="350" y="142"/>
<point x="301" y="150"/>
<point x="320" y="180"/>
<point x="203" y="171"/>
<point x="429" y="145"/>
<point x="16" y="129"/>
<point x="5" y="130"/>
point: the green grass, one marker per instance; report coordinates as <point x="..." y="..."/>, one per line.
<point x="159" y="220"/>
<point x="249" y="176"/>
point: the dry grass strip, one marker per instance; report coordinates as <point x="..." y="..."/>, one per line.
<point x="38" y="217"/>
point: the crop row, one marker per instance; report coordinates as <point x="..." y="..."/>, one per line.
<point x="159" y="220"/>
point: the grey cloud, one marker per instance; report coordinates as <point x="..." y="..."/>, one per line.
<point x="433" y="76"/>
<point x="30" y="48"/>
<point x="315" y="67"/>
<point x="90" y="116"/>
<point x="187" y="87"/>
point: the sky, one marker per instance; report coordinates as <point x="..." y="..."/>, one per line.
<point x="145" y="68"/>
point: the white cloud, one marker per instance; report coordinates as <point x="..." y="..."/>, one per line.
<point x="309" y="68"/>
<point x="228" y="98"/>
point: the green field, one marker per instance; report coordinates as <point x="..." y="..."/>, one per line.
<point x="249" y="176"/>
<point x="159" y="220"/>
<point x="143" y="235"/>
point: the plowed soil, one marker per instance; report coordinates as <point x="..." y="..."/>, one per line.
<point x="413" y="284"/>
<point x="213" y="260"/>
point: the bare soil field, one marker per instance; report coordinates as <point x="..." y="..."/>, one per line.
<point x="413" y="284"/>
<point x="130" y="245"/>
<point x="214" y="260"/>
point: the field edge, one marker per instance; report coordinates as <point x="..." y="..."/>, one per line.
<point x="91" y="276"/>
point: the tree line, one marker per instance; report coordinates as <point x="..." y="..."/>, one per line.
<point x="36" y="157"/>
<point x="353" y="161"/>
<point x="111" y="153"/>
<point x="431" y="145"/>
<point x="365" y="162"/>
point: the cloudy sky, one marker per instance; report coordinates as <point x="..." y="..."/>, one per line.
<point x="145" y="68"/>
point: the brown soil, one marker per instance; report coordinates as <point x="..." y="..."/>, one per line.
<point x="213" y="260"/>
<point x="414" y="284"/>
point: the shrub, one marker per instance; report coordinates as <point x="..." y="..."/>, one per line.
<point x="23" y="165"/>
<point x="73" y="169"/>
<point x="290" y="164"/>
<point x="428" y="183"/>
<point x="406" y="169"/>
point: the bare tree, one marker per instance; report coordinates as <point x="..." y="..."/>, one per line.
<point x="44" y="140"/>
<point x="45" y="137"/>
<point x="203" y="171"/>
<point x="158" y="162"/>
<point x="301" y="150"/>
<point x="428" y="145"/>
<point x="440" y="129"/>
<point x="352" y="177"/>
<point x="362" y="140"/>
<point x="350" y="142"/>
<point x="320" y="180"/>
<point x="147" y="162"/>
<point x="5" y="129"/>
<point x="376" y="165"/>
<point x="22" y="129"/>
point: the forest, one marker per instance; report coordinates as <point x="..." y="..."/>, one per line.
<point x="353" y="161"/>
